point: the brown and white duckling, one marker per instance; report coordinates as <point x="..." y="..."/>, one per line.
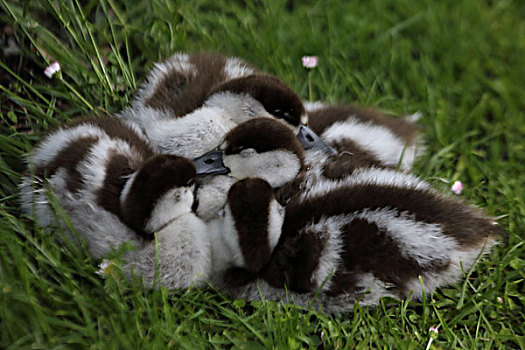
<point x="213" y="94"/>
<point x="260" y="147"/>
<point x="86" y="165"/>
<point x="369" y="143"/>
<point x="374" y="137"/>
<point x="268" y="149"/>
<point x="157" y="200"/>
<point x="181" y="84"/>
<point x="368" y="240"/>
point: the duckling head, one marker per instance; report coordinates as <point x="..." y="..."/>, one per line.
<point x="264" y="148"/>
<point x="258" y="95"/>
<point x="159" y="192"/>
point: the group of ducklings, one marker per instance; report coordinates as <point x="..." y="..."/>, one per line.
<point x="219" y="174"/>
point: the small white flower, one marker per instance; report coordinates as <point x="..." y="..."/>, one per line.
<point x="500" y="300"/>
<point x="104" y="267"/>
<point x="309" y="61"/>
<point x="457" y="187"/>
<point x="52" y="69"/>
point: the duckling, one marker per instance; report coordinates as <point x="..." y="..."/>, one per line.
<point x="368" y="134"/>
<point x="181" y="84"/>
<point x="213" y="95"/>
<point x="329" y="165"/>
<point x="157" y="200"/>
<point x="371" y="237"/>
<point x="261" y="147"/>
<point x="86" y="165"/>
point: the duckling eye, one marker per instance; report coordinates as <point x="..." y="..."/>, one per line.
<point x="235" y="150"/>
<point x="278" y="113"/>
<point x="247" y="152"/>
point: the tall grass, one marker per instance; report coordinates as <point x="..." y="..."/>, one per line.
<point x="460" y="63"/>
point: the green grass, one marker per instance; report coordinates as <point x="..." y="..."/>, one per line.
<point x="459" y="62"/>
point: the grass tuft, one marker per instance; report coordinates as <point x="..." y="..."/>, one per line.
<point x="458" y="62"/>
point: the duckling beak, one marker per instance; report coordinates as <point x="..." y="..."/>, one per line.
<point x="309" y="139"/>
<point x="210" y="164"/>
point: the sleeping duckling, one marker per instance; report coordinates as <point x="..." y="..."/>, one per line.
<point x="84" y="164"/>
<point x="260" y="147"/>
<point x="188" y="103"/>
<point x="87" y="165"/>
<point x="369" y="237"/>
<point x="365" y="133"/>
<point x="268" y="149"/>
<point x="157" y="201"/>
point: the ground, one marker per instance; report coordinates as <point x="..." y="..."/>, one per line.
<point x="459" y="63"/>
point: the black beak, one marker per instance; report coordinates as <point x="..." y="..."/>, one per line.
<point x="210" y="164"/>
<point x="309" y="139"/>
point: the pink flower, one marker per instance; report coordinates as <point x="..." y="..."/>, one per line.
<point x="52" y="69"/>
<point x="309" y="61"/>
<point x="433" y="334"/>
<point x="500" y="300"/>
<point x="457" y="187"/>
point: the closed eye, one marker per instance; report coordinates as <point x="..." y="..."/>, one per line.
<point x="235" y="150"/>
<point x="247" y="152"/>
<point x="278" y="113"/>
